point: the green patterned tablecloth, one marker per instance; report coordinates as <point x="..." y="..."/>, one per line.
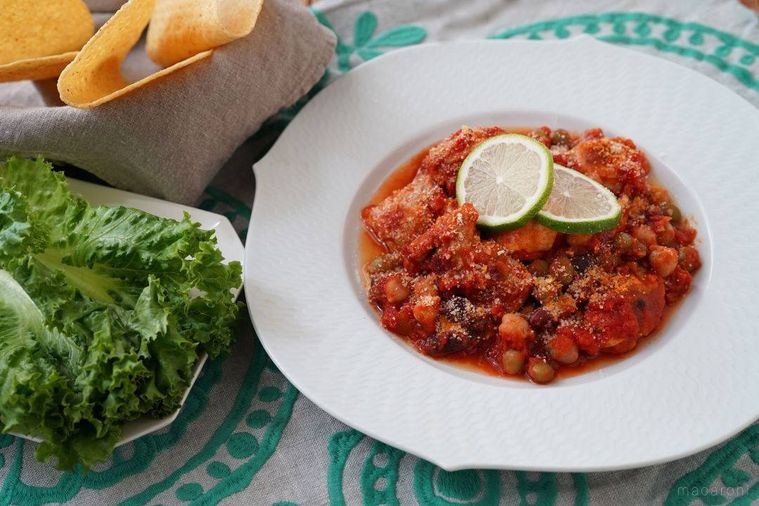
<point x="246" y="436"/>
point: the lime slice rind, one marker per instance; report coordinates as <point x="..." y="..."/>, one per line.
<point x="579" y="204"/>
<point x="508" y="178"/>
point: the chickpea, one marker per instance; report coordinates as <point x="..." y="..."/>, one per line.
<point x="659" y="195"/>
<point x="541" y="135"/>
<point x="579" y="240"/>
<point x="540" y="371"/>
<point x="513" y="361"/>
<point x="563" y="349"/>
<point x="666" y="236"/>
<point x="638" y="249"/>
<point x="395" y="291"/>
<point x="384" y="263"/>
<point x="689" y="258"/>
<point x="426" y="314"/>
<point x="561" y="269"/>
<point x="375" y="265"/>
<point x="514" y="324"/>
<point x="645" y="234"/>
<point x="515" y="330"/>
<point x="663" y="260"/>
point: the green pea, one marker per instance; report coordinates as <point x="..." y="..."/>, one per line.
<point x="623" y="241"/>
<point x="563" y="270"/>
<point x="670" y="209"/>
<point x="512" y="361"/>
<point x="540" y="371"/>
<point x="676" y="214"/>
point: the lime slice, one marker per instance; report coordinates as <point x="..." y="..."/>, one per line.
<point x="507" y="178"/>
<point x="578" y="204"/>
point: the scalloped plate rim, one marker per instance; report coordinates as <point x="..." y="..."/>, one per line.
<point x="281" y="157"/>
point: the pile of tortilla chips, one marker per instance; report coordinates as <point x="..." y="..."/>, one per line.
<point x="51" y="38"/>
<point x="40" y="38"/>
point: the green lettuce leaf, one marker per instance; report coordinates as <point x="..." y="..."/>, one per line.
<point x="103" y="313"/>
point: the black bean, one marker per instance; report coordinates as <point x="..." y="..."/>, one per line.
<point x="582" y="263"/>
<point x="561" y="137"/>
<point x="540" y="319"/>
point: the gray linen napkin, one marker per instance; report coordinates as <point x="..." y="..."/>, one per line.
<point x="169" y="138"/>
<point x="104" y="5"/>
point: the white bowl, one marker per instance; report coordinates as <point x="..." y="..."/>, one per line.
<point x="694" y="386"/>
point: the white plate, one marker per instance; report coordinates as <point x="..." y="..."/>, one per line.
<point x="695" y="385"/>
<point x="229" y="244"/>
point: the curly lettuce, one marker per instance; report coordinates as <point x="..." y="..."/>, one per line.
<point x="103" y="313"/>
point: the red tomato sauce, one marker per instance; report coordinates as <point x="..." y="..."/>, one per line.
<point x="531" y="302"/>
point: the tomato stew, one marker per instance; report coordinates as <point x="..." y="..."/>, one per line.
<point x="531" y="301"/>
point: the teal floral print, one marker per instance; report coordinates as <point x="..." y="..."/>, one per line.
<point x="252" y="424"/>
<point x="365" y="44"/>
<point x="726" y="52"/>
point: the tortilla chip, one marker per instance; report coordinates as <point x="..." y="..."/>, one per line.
<point x="43" y="67"/>
<point x="41" y="37"/>
<point x="94" y="77"/>
<point x="182" y="28"/>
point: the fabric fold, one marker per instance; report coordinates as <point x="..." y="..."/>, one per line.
<point x="170" y="138"/>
